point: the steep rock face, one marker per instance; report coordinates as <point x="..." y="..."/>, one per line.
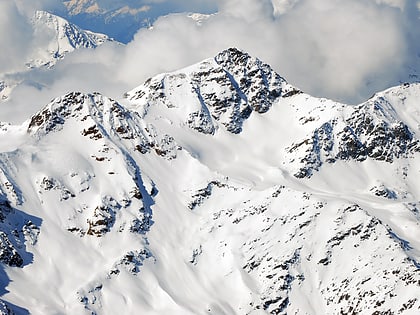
<point x="257" y="81"/>
<point x="110" y="117"/>
<point x="16" y="229"/>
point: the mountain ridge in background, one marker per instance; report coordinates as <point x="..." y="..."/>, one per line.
<point x="122" y="19"/>
<point x="65" y="37"/>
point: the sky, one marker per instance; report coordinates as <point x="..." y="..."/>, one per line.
<point x="344" y="50"/>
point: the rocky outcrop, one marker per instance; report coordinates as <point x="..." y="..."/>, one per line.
<point x="226" y="89"/>
<point x="367" y="133"/>
<point x="16" y="231"/>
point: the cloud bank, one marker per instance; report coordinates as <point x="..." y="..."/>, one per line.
<point x="345" y="50"/>
<point x="16" y="37"/>
<point x="340" y="49"/>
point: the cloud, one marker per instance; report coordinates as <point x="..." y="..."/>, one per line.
<point x="339" y="49"/>
<point x="16" y="36"/>
<point x="86" y="71"/>
<point x="345" y="50"/>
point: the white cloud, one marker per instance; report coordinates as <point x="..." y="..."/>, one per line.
<point x="87" y="71"/>
<point x="15" y="35"/>
<point x="336" y="48"/>
<point x="246" y="9"/>
<point x="332" y="48"/>
<point x="339" y="49"/>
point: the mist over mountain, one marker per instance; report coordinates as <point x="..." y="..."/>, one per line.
<point x="53" y="38"/>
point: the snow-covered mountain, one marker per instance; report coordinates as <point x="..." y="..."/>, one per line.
<point x="63" y="37"/>
<point x="53" y="38"/>
<point x="215" y="189"/>
<point x="121" y="19"/>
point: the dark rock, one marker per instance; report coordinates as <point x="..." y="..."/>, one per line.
<point x="8" y="254"/>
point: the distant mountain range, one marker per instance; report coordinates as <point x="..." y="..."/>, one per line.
<point x="53" y="38"/>
<point x="216" y="189"/>
<point x="121" y="19"/>
<point x="63" y="38"/>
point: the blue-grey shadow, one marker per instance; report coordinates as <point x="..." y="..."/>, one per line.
<point x="17" y="228"/>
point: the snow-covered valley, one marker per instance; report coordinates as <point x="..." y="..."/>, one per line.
<point x="215" y="189"/>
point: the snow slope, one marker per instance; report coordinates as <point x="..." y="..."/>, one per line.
<point x="215" y="189"/>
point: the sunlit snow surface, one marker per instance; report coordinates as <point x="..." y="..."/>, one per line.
<point x="216" y="189"/>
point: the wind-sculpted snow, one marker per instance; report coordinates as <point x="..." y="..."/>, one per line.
<point x="215" y="189"/>
<point x="288" y="250"/>
<point x="88" y="186"/>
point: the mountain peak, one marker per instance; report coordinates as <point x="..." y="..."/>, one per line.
<point x="234" y="58"/>
<point x="225" y="89"/>
<point x="99" y="116"/>
<point x="53" y="38"/>
<point x="232" y="55"/>
<point x="63" y="38"/>
<point x="96" y="117"/>
<point x="71" y="105"/>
